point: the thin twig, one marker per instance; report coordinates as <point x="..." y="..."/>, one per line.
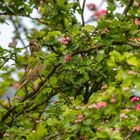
<point x="128" y="136"/>
<point x="9" y="100"/>
<point x="135" y="45"/>
<point x="17" y="31"/>
<point x="82" y="11"/>
<point x="87" y="50"/>
<point x="128" y="6"/>
<point x="4" y="63"/>
<point x="39" y="20"/>
<point x="65" y="98"/>
<point x="83" y="8"/>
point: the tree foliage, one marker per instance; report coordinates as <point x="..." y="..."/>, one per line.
<point x="75" y="80"/>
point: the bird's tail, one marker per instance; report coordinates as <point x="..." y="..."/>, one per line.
<point x="20" y="86"/>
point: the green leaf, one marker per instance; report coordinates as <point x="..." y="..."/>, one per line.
<point x="111" y="63"/>
<point x="49" y="90"/>
<point x="50" y="122"/>
<point x="133" y="61"/>
<point x="88" y="28"/>
<point x="53" y="80"/>
<point x="111" y="6"/>
<point x="102" y="135"/>
<point x="121" y="74"/>
<point x="86" y="76"/>
<point x="41" y="130"/>
<point x="61" y="2"/>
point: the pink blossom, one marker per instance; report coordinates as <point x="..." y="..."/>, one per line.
<point x="101" y="105"/>
<point x="92" y="106"/>
<point x="123" y="116"/>
<point x="132" y="72"/>
<point x="100" y="13"/>
<point x="136" y="128"/>
<point x="64" y="40"/>
<point x="138" y="107"/>
<point x="91" y="6"/>
<point x="106" y="30"/>
<point x="68" y="57"/>
<point x="135" y="39"/>
<point x="113" y="100"/>
<point x="80" y="116"/>
<point x="16" y="85"/>
<point x="137" y="21"/>
<point x="104" y="86"/>
<point x="125" y="88"/>
<point x="134" y="99"/>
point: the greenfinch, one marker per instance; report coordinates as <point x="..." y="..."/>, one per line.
<point x="32" y="73"/>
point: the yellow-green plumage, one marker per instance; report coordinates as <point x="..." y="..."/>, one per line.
<point x="32" y="74"/>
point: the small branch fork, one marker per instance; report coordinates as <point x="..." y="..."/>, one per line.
<point x="128" y="6"/>
<point x="82" y="8"/>
<point x="32" y="93"/>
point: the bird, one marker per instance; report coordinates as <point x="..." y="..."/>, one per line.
<point x="34" y="47"/>
<point x="33" y="73"/>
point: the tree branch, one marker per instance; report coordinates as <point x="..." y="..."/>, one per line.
<point x="41" y="84"/>
<point x="32" y="93"/>
<point x="17" y="31"/>
<point x="4" y="63"/>
<point x="82" y="11"/>
<point x="133" y="44"/>
<point x="128" y="136"/>
<point x="128" y="6"/>
<point x="95" y="87"/>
